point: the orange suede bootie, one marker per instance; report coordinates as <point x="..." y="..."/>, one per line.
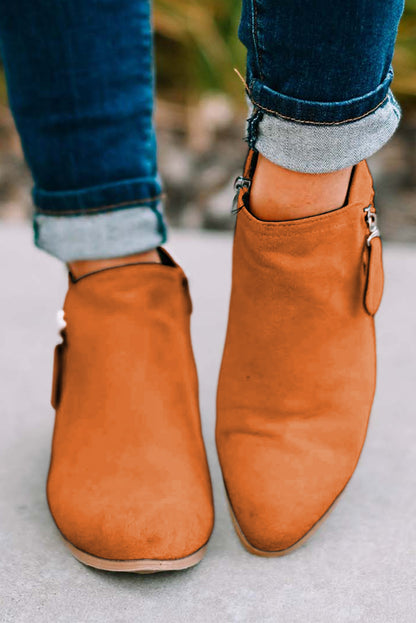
<point x="128" y="485"/>
<point x="298" y="374"/>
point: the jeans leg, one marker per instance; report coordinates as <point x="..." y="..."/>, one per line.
<point x="80" y="83"/>
<point x="318" y="79"/>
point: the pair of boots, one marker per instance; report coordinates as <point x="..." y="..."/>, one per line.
<point x="128" y="486"/>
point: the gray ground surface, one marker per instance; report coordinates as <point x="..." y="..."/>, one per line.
<point x="359" y="567"/>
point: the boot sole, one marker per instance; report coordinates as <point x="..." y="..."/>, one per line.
<point x="136" y="566"/>
<point x="282" y="552"/>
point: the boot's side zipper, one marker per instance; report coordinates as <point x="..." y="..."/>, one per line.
<point x="58" y="361"/>
<point x="374" y="264"/>
<point x="371" y="220"/>
<point x="239" y="183"/>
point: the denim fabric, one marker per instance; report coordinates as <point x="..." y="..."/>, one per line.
<point x="80" y="84"/>
<point x="313" y="148"/>
<point x="320" y="64"/>
<point x="113" y="233"/>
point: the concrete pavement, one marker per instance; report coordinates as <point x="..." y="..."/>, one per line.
<point x="359" y="567"/>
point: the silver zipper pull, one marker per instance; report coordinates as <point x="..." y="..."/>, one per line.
<point x="61" y="322"/>
<point x="239" y="183"/>
<point x="371" y="220"/>
<point x="60" y="319"/>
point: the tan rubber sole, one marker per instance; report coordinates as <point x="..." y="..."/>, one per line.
<point x="283" y="552"/>
<point x="136" y="566"/>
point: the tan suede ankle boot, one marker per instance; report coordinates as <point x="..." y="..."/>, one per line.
<point x="128" y="485"/>
<point x="298" y="374"/>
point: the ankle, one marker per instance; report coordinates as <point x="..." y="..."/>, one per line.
<point x="280" y="194"/>
<point x="82" y="267"/>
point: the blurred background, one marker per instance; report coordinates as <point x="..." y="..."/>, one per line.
<point x="200" y="118"/>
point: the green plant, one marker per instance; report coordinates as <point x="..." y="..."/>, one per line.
<point x="405" y="56"/>
<point x="197" y="47"/>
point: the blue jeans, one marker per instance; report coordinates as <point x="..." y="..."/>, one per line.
<point x="318" y="80"/>
<point x="81" y="86"/>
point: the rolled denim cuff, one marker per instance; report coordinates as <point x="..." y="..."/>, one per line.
<point x="317" y="113"/>
<point x="94" y="236"/>
<point x="138" y="191"/>
<point x="322" y="146"/>
<point x="100" y="222"/>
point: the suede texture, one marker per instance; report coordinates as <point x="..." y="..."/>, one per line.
<point x="129" y="478"/>
<point x="298" y="374"/>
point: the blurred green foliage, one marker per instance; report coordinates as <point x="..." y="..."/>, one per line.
<point x="197" y="47"/>
<point x="404" y="61"/>
<point x="3" y="94"/>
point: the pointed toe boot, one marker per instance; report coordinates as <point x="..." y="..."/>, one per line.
<point x="128" y="485"/>
<point x="298" y="374"/>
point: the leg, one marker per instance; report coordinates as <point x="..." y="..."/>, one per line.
<point x="326" y="102"/>
<point x="128" y="485"/>
<point x="80" y="86"/>
<point x="319" y="78"/>
<point x="298" y="373"/>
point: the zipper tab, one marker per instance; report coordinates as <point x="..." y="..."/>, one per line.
<point x="371" y="220"/>
<point x="239" y="183"/>
<point x="375" y="276"/>
<point x="58" y="360"/>
<point x="185" y="285"/>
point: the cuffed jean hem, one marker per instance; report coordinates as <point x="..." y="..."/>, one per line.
<point x="100" y="235"/>
<point x="294" y="109"/>
<point x="310" y="147"/>
<point x="95" y="199"/>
